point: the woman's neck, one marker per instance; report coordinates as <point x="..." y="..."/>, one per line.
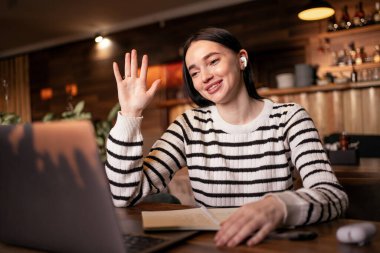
<point x="241" y="111"/>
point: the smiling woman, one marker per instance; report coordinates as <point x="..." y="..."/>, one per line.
<point x="229" y="49"/>
<point x="241" y="150"/>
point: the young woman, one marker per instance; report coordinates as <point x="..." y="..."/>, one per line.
<point x="241" y="150"/>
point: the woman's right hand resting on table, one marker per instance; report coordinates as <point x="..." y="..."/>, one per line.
<point x="132" y="90"/>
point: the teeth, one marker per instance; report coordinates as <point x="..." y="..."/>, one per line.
<point x="212" y="87"/>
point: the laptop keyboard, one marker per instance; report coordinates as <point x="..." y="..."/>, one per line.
<point x="140" y="243"/>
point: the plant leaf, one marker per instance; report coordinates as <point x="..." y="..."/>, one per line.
<point x="112" y="114"/>
<point x="79" y="107"/>
<point x="48" y="117"/>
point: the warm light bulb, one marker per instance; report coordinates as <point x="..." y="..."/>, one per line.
<point x="316" y="13"/>
<point x="104" y="43"/>
<point x="98" y="38"/>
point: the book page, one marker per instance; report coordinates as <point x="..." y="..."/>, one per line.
<point x="185" y="219"/>
<point x="221" y="214"/>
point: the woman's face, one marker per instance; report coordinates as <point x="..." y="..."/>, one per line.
<point x="216" y="71"/>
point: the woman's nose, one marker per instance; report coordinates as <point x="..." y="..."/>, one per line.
<point x="206" y="75"/>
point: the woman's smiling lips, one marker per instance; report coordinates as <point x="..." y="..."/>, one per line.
<point x="213" y="87"/>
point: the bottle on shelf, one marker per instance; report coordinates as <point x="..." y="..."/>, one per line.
<point x="376" y="55"/>
<point x="354" y="75"/>
<point x="359" y="18"/>
<point x="343" y="141"/>
<point x="376" y="14"/>
<point x="345" y="21"/>
<point x="341" y="58"/>
<point x="334" y="58"/>
<point x="350" y="53"/>
<point x="360" y="56"/>
<point x="332" y="24"/>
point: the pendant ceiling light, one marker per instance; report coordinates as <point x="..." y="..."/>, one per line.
<point x="316" y="10"/>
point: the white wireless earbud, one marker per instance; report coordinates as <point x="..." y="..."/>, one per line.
<point x="244" y="61"/>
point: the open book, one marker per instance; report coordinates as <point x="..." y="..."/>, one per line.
<point x="199" y="218"/>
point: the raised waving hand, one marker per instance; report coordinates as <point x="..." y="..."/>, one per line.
<point x="132" y="89"/>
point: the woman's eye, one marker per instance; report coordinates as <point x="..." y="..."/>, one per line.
<point x="194" y="74"/>
<point x="215" y="61"/>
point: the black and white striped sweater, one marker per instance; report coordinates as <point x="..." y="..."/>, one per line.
<point x="230" y="165"/>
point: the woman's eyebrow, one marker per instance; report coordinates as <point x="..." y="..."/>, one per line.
<point x="203" y="58"/>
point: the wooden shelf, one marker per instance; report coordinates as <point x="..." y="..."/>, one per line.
<point x="349" y="68"/>
<point x="364" y="29"/>
<point x="318" y="88"/>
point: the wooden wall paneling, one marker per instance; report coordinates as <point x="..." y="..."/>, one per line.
<point x="316" y="110"/>
<point x="304" y="100"/>
<point x="353" y="111"/>
<point x="336" y="112"/>
<point x="371" y="112"/>
<point x="325" y="108"/>
<point x="15" y="73"/>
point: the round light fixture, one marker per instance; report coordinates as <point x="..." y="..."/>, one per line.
<point x="316" y="10"/>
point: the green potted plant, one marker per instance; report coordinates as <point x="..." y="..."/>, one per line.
<point x="102" y="127"/>
<point x="9" y="118"/>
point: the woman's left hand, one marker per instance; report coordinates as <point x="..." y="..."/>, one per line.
<point x="253" y="221"/>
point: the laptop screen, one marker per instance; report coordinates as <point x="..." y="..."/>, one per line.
<point x="54" y="194"/>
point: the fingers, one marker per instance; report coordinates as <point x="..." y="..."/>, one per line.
<point x="134" y="63"/>
<point x="232" y="236"/>
<point x="116" y="73"/>
<point x="132" y="66"/>
<point x="152" y="90"/>
<point x="244" y="232"/>
<point x="127" y="65"/>
<point x="254" y="220"/>
<point x="235" y="231"/>
<point x="144" y="67"/>
<point x="260" y="235"/>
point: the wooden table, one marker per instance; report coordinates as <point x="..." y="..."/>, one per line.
<point x="203" y="242"/>
<point x="368" y="168"/>
<point x="362" y="185"/>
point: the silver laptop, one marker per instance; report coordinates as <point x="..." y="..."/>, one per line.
<point x="54" y="193"/>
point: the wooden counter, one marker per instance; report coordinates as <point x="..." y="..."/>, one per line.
<point x="265" y="92"/>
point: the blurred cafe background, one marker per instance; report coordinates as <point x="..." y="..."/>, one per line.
<point x="56" y="63"/>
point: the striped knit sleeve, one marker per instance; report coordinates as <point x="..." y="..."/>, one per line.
<point x="322" y="197"/>
<point x="131" y="176"/>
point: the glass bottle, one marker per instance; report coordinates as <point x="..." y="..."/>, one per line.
<point x="345" y="21"/>
<point x="343" y="141"/>
<point x="332" y="24"/>
<point x="376" y="55"/>
<point x="359" y="17"/>
<point x="341" y="58"/>
<point x="360" y="56"/>
<point x="350" y="54"/>
<point x="354" y="75"/>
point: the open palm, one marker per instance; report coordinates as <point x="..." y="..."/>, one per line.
<point x="132" y="90"/>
